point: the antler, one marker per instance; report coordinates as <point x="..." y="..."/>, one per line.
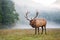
<point x="36" y="15"/>
<point x="27" y="16"/>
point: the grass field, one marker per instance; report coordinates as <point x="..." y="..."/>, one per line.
<point x="28" y="34"/>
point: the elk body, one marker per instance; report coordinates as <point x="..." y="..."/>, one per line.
<point x="37" y="22"/>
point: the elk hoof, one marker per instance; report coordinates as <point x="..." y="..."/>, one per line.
<point x="46" y="33"/>
<point x="41" y="33"/>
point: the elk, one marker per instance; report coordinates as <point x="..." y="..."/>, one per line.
<point x="37" y="22"/>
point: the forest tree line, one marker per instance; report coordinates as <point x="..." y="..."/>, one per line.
<point x="8" y="14"/>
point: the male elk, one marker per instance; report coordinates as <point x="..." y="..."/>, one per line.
<point x="37" y="22"/>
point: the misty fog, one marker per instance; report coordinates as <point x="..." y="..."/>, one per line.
<point x="50" y="13"/>
<point x="52" y="17"/>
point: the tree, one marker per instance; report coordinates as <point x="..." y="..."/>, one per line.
<point x="8" y="14"/>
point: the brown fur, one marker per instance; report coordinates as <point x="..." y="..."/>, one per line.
<point x="38" y="22"/>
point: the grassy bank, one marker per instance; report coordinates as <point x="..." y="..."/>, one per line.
<point x="28" y="34"/>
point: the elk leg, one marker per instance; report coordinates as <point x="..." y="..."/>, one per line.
<point x="38" y="30"/>
<point x="42" y="30"/>
<point x="45" y="29"/>
<point x="35" y="30"/>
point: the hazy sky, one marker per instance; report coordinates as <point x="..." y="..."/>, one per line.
<point x="38" y="4"/>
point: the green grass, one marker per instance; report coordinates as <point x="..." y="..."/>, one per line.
<point x="28" y="34"/>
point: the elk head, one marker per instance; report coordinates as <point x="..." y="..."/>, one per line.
<point x="32" y="21"/>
